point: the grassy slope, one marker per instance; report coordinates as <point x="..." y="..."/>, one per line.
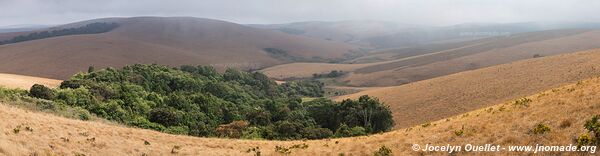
<point x="493" y="53"/>
<point x="564" y="109"/>
<point x="163" y="40"/>
<point x="25" y="82"/>
<point x="441" y="97"/>
<point x="403" y="66"/>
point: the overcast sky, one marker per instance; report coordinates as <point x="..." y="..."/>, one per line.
<point x="424" y="12"/>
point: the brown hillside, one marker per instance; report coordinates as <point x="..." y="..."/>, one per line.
<point x="400" y="66"/>
<point x="163" y="40"/>
<point x="488" y="53"/>
<point x="438" y="98"/>
<point x="563" y="109"/>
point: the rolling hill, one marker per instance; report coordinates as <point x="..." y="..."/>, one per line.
<point x="391" y="35"/>
<point x="354" y="32"/>
<point x="441" y="97"/>
<point x="401" y="66"/>
<point x="164" y="40"/>
<point x="563" y="110"/>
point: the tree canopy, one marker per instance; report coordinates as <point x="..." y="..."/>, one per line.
<point x="199" y="101"/>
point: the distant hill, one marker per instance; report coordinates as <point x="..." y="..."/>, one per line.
<point x="473" y="55"/>
<point x="381" y="35"/>
<point x="344" y="31"/>
<point x="437" y="98"/>
<point x="405" y="65"/>
<point x="164" y="40"/>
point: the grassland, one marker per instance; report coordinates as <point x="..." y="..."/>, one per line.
<point x="25" y="82"/>
<point x="170" y="41"/>
<point x="563" y="109"/>
<point x="441" y="97"/>
<point x="402" y="66"/>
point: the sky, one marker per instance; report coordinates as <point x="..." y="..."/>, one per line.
<point x="420" y="12"/>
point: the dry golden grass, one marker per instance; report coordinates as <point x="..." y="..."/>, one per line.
<point x="25" y="82"/>
<point x="441" y="97"/>
<point x="502" y="124"/>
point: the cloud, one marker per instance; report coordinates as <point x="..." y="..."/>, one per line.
<point x="428" y="12"/>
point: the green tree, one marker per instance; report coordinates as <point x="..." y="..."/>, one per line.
<point x="91" y="69"/>
<point x="42" y="92"/>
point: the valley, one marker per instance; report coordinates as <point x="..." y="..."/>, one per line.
<point x="152" y="85"/>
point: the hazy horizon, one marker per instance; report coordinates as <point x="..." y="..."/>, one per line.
<point x="430" y="13"/>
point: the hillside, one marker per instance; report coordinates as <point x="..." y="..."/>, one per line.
<point x="564" y="110"/>
<point x="438" y="98"/>
<point x="480" y="54"/>
<point x="25" y="82"/>
<point x="164" y="40"/>
<point x="401" y="66"/>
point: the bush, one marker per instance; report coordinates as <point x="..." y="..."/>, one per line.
<point x="593" y="127"/>
<point x="540" y="129"/>
<point x="253" y="133"/>
<point x="523" y="102"/>
<point x="83" y="114"/>
<point x="584" y="140"/>
<point x="41" y="91"/>
<point x="317" y="133"/>
<point x="164" y="116"/>
<point x="345" y="131"/>
<point x="183" y="130"/>
<point x="331" y="74"/>
<point x="383" y="151"/>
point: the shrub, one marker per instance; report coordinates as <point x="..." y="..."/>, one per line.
<point x="317" y="133"/>
<point x="345" y="131"/>
<point x="142" y="122"/>
<point x="523" y="102"/>
<point x="540" y="129"/>
<point x="593" y="127"/>
<point x="383" y="151"/>
<point x="459" y="132"/>
<point x="288" y="150"/>
<point x="331" y="74"/>
<point x="164" y="116"/>
<point x="256" y="151"/>
<point x="177" y="130"/>
<point x="42" y="92"/>
<point x="253" y="133"/>
<point x="426" y="125"/>
<point x="83" y="114"/>
<point x="584" y="139"/>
